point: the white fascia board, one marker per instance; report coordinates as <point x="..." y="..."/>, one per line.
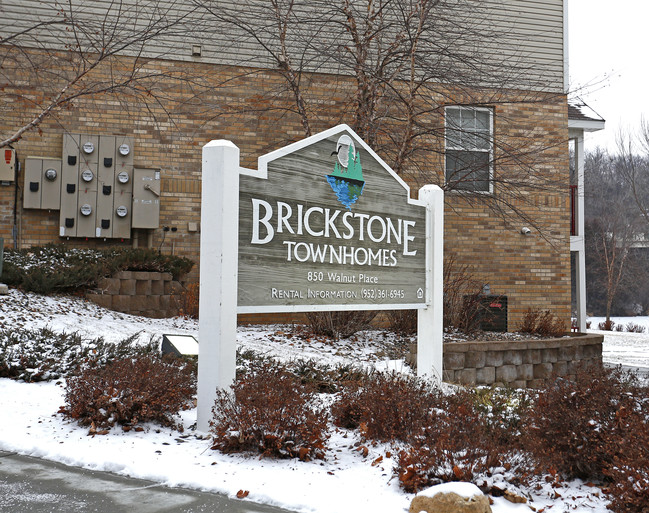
<point x="587" y="126"/>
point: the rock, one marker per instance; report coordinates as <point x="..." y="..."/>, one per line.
<point x="514" y="498"/>
<point x="451" y="498"/>
<point x="4" y="289"/>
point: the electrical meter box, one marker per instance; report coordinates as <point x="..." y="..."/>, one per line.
<point x="97" y="186"/>
<point x="42" y="183"/>
<point x="105" y="187"/>
<point x="69" y="186"/>
<point x="146" y="198"/>
<point x="8" y="165"/>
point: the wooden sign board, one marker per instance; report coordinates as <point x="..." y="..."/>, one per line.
<point x="326" y="225"/>
<point x="323" y="224"/>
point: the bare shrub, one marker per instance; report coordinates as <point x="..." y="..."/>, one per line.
<point x="456" y="445"/>
<point x="129" y="391"/>
<point x="403" y="322"/>
<point x="339" y="324"/>
<point x="462" y="297"/>
<point x="386" y="407"/>
<point x="549" y="325"/>
<point x="189" y="301"/>
<point x="635" y="328"/>
<point x="530" y="321"/>
<point x="270" y="412"/>
<point x="575" y="426"/>
<point x="606" y="325"/>
<point x="545" y="324"/>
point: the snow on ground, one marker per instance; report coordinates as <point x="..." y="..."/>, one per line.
<point x="346" y="481"/>
<point x="622" y="347"/>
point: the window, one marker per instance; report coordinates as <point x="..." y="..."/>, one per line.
<point x="469" y="148"/>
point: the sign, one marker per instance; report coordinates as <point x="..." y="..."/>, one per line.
<point x="327" y="225"/>
<point x="323" y="224"/>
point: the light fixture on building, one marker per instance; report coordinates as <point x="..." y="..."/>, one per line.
<point x="525" y="230"/>
<point x="486" y="290"/>
<point x="197" y="51"/>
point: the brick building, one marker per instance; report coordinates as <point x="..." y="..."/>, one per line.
<point x="497" y="142"/>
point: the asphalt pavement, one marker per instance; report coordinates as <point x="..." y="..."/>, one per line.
<point x="31" y="485"/>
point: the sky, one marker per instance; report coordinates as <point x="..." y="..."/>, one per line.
<point x="608" y="63"/>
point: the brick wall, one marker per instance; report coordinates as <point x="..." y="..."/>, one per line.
<point x="533" y="270"/>
<point x="530" y="271"/>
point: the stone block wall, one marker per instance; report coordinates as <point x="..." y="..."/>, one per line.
<point x="521" y="364"/>
<point x="150" y="294"/>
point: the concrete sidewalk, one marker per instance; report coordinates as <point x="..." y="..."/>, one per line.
<point x="31" y="485"/>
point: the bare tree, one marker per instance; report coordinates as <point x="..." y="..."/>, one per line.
<point x="633" y="168"/>
<point x="613" y="226"/>
<point x="395" y="65"/>
<point x="74" y="50"/>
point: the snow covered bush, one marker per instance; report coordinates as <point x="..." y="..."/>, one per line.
<point x="386" y="407"/>
<point x="269" y="411"/>
<point x="58" y="268"/>
<point x="42" y="354"/>
<point x="129" y="391"/>
<point x="325" y="378"/>
<point x="456" y="445"/>
<point x="578" y="427"/>
<point x="629" y="492"/>
<point x="502" y="410"/>
<point x="628" y="473"/>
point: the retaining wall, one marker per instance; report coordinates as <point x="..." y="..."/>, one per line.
<point x="150" y="294"/>
<point x="521" y="364"/>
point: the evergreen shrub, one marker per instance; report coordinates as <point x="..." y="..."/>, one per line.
<point x="56" y="268"/>
<point x="43" y="355"/>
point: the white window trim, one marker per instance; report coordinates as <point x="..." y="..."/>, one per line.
<point x="490" y="150"/>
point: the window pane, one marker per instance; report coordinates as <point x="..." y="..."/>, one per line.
<point x="453" y="138"/>
<point x="468" y="119"/>
<point x="467" y="170"/>
<point x="482" y="141"/>
<point x="482" y="120"/>
<point x="481" y="171"/>
<point x="453" y="118"/>
<point x="469" y="140"/>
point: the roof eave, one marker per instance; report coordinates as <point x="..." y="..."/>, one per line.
<point x="587" y="125"/>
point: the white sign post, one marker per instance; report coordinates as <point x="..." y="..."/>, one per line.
<point x="323" y="224"/>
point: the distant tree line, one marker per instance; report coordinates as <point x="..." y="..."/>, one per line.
<point x="617" y="228"/>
